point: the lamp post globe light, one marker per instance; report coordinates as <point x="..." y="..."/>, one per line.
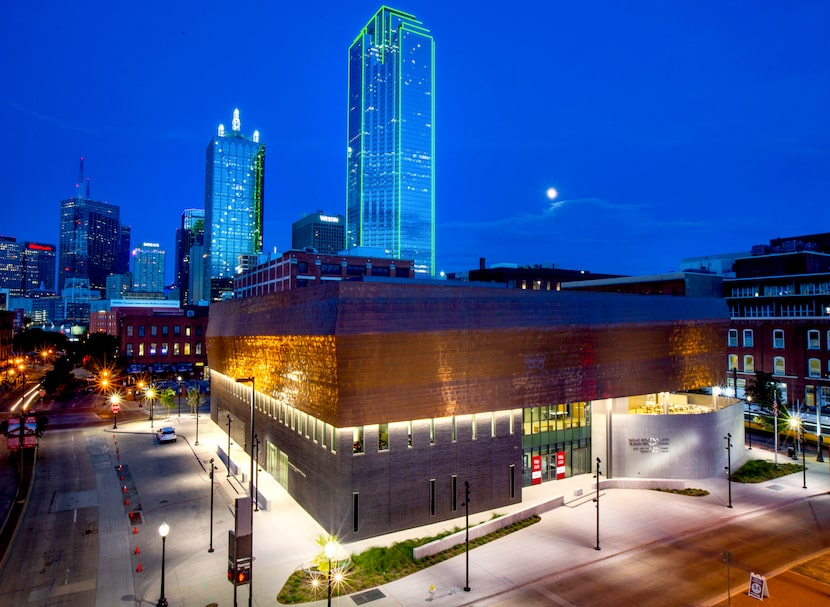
<point x="151" y="396"/>
<point x="330" y="550"/>
<point x="164" y="529"/>
<point x="115" y="405"/>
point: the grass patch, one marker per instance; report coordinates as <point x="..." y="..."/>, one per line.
<point x="688" y="491"/>
<point x="758" y="471"/>
<point x="381" y="565"/>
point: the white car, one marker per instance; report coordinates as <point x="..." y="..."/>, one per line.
<point x="167" y="434"/>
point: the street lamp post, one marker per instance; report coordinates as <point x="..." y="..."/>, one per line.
<point x="467" y="535"/>
<point x="728" y="439"/>
<point x="229" y="445"/>
<point x="115" y="405"/>
<point x="256" y="470"/>
<point x="179" y="378"/>
<point x="212" y="468"/>
<point x="151" y="396"/>
<point x="164" y="529"/>
<point x="330" y="549"/>
<point x="197" y="418"/>
<point x="749" y="430"/>
<point x="596" y="501"/>
<point x="797" y="425"/>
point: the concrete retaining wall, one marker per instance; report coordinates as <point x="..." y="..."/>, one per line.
<point x="484" y="528"/>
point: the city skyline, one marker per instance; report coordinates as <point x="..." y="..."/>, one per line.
<point x="669" y="131"/>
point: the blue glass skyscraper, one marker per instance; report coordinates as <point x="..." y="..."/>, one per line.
<point x="234" y="195"/>
<point x="390" y="200"/>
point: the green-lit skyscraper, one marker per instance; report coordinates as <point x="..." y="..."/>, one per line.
<point x="234" y="196"/>
<point x="390" y="200"/>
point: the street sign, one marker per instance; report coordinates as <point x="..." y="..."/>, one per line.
<point x="758" y="586"/>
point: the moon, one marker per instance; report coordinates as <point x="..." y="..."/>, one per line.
<point x="551" y="193"/>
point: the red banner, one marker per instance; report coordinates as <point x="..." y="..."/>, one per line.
<point x="536" y="470"/>
<point x="560" y="465"/>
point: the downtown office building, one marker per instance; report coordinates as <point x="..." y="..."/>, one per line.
<point x="234" y="198"/>
<point x="390" y="199"/>
<point x="93" y="243"/>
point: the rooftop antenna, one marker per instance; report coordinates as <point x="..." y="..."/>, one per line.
<point x="80" y="176"/>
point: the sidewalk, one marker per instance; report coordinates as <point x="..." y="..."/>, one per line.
<point x="284" y="534"/>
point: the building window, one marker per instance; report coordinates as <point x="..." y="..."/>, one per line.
<point x="493" y="424"/>
<point x="355" y="510"/>
<point x="187" y="348"/>
<point x="512" y="481"/>
<point x="454" y="429"/>
<point x="432" y="431"/>
<point x="749" y="364"/>
<point x="779" y="367"/>
<point x="198" y="348"/>
<point x="130" y="331"/>
<point x="733" y="338"/>
<point x="324" y="435"/>
<point x="454" y="494"/>
<point x="176" y="348"/>
<point x="432" y="497"/>
<point x="748" y="341"/>
<point x="733" y="362"/>
<point x="141" y="330"/>
<point x="187" y="331"/>
<point x="129" y="351"/>
<point x="164" y="348"/>
<point x="778" y="338"/>
<point x="814" y="367"/>
<point x="409" y="434"/>
<point x="177" y="330"/>
<point x="141" y="349"/>
<point x="510" y="421"/>
<point x="473" y="427"/>
<point x="357" y="440"/>
<point x="383" y="437"/>
<point x="813" y="340"/>
<point x="153" y="349"/>
<point x="154" y="330"/>
<point x="165" y="330"/>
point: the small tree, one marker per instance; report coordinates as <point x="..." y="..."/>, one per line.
<point x="194" y="399"/>
<point x="167" y="398"/>
<point x="764" y="391"/>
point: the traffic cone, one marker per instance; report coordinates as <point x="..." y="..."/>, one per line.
<point x="137" y="551"/>
<point x="139" y="569"/>
<point x="135" y="530"/>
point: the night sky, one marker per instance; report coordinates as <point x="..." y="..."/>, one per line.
<point x="669" y="129"/>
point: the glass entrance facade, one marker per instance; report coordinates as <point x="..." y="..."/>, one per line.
<point x="556" y="429"/>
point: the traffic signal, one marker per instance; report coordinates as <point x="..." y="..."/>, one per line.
<point x="243" y="574"/>
<point x="239" y="574"/>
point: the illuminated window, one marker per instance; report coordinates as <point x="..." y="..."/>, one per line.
<point x="733" y="362"/>
<point x="198" y="348"/>
<point x="454" y="430"/>
<point x="409" y="434"/>
<point x="383" y="437"/>
<point x="164" y="348"/>
<point x="432" y="431"/>
<point x="814" y="367"/>
<point x="474" y="428"/>
<point x="141" y="349"/>
<point x="779" y="367"/>
<point x="357" y="441"/>
<point x="778" y="338"/>
<point x="749" y="364"/>
<point x="176" y="348"/>
<point x="187" y="348"/>
<point x="153" y="349"/>
<point x="129" y="330"/>
<point x="154" y="330"/>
